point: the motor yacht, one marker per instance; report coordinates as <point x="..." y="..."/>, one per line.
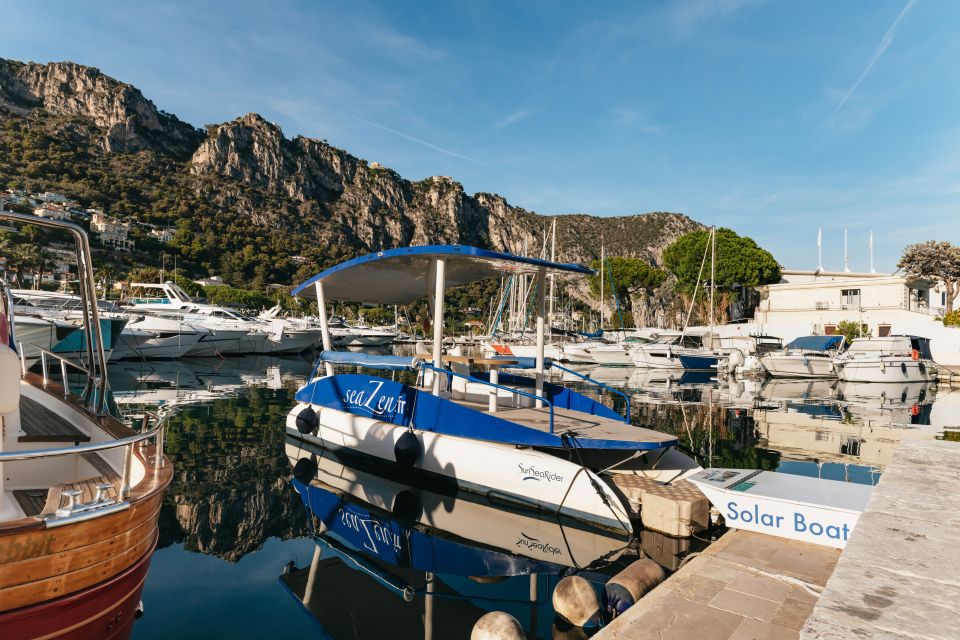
<point x="805" y="357"/>
<point x="887" y="359"/>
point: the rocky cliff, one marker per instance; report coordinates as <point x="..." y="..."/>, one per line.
<point x="251" y="203"/>
<point x="129" y="122"/>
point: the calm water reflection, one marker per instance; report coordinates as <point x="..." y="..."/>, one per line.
<point x="235" y="539"/>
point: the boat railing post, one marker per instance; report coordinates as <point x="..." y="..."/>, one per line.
<point x="439" y="285"/>
<point x="23" y="360"/>
<point x="125" y="475"/>
<point x="541" y="310"/>
<point x="324" y="326"/>
<point x="43" y="366"/>
<point x="161" y="437"/>
<point x="63" y="376"/>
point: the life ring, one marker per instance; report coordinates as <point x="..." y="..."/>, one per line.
<point x="915" y="354"/>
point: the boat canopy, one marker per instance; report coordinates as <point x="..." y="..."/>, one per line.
<point x="401" y="276"/>
<point x="370" y="360"/>
<point x="816" y="343"/>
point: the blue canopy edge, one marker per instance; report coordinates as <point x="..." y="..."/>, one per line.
<point x="816" y="343"/>
<point x="370" y="360"/>
<point x="373" y="277"/>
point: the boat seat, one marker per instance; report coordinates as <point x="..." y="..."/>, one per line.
<point x="39" y="424"/>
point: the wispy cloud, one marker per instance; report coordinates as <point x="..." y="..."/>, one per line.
<point x="512" y="118"/>
<point x="391" y="41"/>
<point x="687" y="16"/>
<point x="636" y="119"/>
<point x="405" y="136"/>
<point x="884" y="44"/>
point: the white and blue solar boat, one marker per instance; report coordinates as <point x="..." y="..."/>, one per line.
<point x="509" y="437"/>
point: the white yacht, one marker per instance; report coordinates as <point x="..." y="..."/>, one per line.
<point x="617" y="354"/>
<point x="63" y="313"/>
<point x="665" y="350"/>
<point x="805" y="357"/>
<point x="260" y="336"/>
<point x="887" y="359"/>
<point x="172" y="338"/>
<point x="360" y="335"/>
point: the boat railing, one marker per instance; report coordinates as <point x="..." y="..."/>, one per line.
<point x="449" y="373"/>
<point x="626" y="415"/>
<point x="94" y="393"/>
<point x="100" y="505"/>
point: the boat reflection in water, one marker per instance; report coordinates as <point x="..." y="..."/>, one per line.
<point x="449" y="557"/>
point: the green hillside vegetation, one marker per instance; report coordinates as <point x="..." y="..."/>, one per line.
<point x="53" y="154"/>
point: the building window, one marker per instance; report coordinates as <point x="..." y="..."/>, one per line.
<point x="883" y="330"/>
<point x="829" y="329"/>
<point x="850" y="297"/>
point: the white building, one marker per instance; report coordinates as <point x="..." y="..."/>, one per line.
<point x="815" y="302"/>
<point x="111" y="232"/>
<point x="52" y="212"/>
<point x="164" y="235"/>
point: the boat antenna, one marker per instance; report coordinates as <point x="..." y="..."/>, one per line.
<point x="872" y="270"/>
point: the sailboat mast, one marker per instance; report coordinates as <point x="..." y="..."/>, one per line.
<point x="603" y="259"/>
<point x="553" y="258"/>
<point x="713" y="273"/>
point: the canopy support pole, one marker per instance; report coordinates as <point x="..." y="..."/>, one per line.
<point x="324" y="329"/>
<point x="439" y="286"/>
<point x="541" y="310"/>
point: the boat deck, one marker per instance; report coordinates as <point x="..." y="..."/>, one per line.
<point x="582" y="425"/>
<point x="40" y="424"/>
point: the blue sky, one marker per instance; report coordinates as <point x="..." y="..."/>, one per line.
<point x="773" y="118"/>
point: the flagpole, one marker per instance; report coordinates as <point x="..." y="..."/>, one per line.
<point x="846" y="256"/>
<point x="820" y="249"/>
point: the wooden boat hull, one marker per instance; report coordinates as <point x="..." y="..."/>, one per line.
<point x="104" y="611"/>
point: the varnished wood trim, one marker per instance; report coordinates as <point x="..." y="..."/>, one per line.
<point x="73" y="581"/>
<point x="42" y="567"/>
<point x="20" y="546"/>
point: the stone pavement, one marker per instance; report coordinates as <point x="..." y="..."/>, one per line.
<point x="899" y="576"/>
<point x="745" y="586"/>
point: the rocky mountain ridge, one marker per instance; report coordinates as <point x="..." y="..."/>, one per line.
<point x="301" y="196"/>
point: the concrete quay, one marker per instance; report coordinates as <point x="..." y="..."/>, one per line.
<point x="744" y="586"/>
<point x="897" y="579"/>
<point x="899" y="576"/>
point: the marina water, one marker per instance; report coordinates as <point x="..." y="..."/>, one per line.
<point x="235" y="539"/>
